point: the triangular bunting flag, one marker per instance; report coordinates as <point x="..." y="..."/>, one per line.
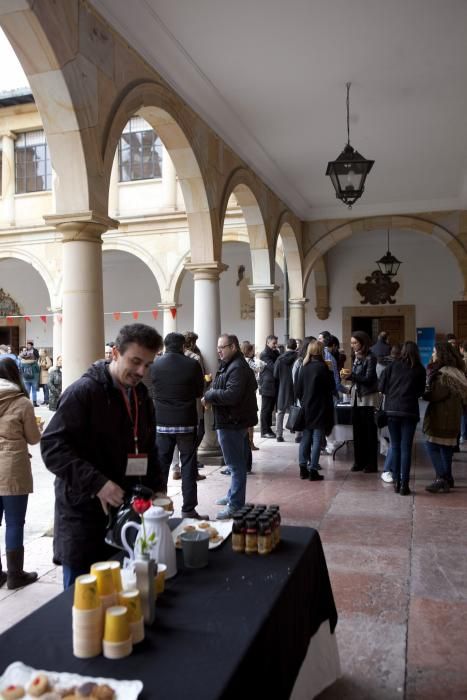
<point x="27" y="318"/>
<point x="173" y="311"/>
<point x="43" y="319"/>
<point x="155" y="314"/>
<point x="116" y="315"/>
<point x="135" y="315"/>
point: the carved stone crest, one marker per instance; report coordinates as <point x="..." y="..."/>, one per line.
<point x="377" y="289"/>
<point x="8" y="306"/>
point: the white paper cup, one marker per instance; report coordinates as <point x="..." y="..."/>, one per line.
<point x="117" y="650"/>
<point x="87" y="617"/>
<point x="86" y="649"/>
<point x="137" y="631"/>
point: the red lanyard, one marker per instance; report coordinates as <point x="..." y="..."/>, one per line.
<point x="135" y="421"/>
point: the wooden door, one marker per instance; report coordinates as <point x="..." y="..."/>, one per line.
<point x="394" y="327"/>
<point x="459" y="322"/>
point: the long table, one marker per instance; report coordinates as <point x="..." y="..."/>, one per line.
<point x="241" y="627"/>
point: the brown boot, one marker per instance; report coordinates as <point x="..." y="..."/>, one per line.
<point x="16" y="577"/>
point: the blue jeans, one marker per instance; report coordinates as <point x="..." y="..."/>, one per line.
<point x="402" y="431"/>
<point x="14" y="508"/>
<point x="70" y="575"/>
<point x="235" y="449"/>
<point x="45" y="389"/>
<point x="310" y="447"/>
<point x="388" y="461"/>
<point x="441" y="458"/>
<point x="31" y="387"/>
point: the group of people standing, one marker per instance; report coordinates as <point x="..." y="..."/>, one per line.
<point x="37" y="372"/>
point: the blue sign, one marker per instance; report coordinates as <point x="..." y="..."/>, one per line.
<point x="426" y="343"/>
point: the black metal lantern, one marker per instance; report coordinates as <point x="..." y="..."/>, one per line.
<point x="388" y="264"/>
<point x="348" y="172"/>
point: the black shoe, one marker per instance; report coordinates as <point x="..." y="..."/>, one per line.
<point x="356" y="468"/>
<point x="35" y="404"/>
<point x="304" y="473"/>
<point x="226" y="471"/>
<point x="450" y="481"/>
<point x="314" y="476"/>
<point x="404" y="489"/>
<point x="268" y="435"/>
<point x="280" y="439"/>
<point x="397" y="485"/>
<point x="438" y="486"/>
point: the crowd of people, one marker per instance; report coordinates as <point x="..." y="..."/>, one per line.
<point x="140" y="412"/>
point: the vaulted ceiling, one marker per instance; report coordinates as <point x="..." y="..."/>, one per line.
<point x="269" y="76"/>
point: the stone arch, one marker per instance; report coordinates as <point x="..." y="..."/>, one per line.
<point x="327" y="239"/>
<point x="243" y="185"/>
<point x="53" y="286"/>
<point x="142" y="254"/>
<point x="177" y="277"/>
<point x="167" y="114"/>
<point x="292" y="254"/>
<point x="37" y="51"/>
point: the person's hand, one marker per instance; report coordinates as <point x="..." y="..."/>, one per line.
<point x="110" y="495"/>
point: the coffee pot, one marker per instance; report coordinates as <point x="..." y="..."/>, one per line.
<point x="157" y="533"/>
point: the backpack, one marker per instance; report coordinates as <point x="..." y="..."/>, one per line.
<point x="28" y="371"/>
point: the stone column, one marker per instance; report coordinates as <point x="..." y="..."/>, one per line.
<point x="169" y="323"/>
<point x="297" y="318"/>
<point x="207" y="324"/>
<point x="8" y="178"/>
<point x="82" y="296"/>
<point x="169" y="182"/>
<point x="264" y="313"/>
<point x="57" y="333"/>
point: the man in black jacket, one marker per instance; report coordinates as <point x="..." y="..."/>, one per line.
<point x="283" y="376"/>
<point x="233" y="398"/>
<point x="99" y="444"/>
<point x="177" y="382"/>
<point x="268" y="386"/>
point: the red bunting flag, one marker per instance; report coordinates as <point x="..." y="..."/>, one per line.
<point x="135" y="315"/>
<point x="43" y="319"/>
<point x="116" y="315"/>
<point x="155" y="314"/>
<point x="173" y="311"/>
<point x="9" y="320"/>
<point x="27" y="318"/>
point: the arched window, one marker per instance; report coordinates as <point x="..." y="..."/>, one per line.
<point x="139" y="152"/>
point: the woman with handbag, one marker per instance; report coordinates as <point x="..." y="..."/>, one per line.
<point x="314" y="389"/>
<point x="403" y="382"/>
<point x="364" y="398"/>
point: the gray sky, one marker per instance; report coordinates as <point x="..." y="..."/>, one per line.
<point x="11" y="74"/>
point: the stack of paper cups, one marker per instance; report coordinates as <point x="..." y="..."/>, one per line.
<point x="116" y="570"/>
<point x="132" y="601"/>
<point x="87" y="618"/>
<point x="117" y="637"/>
<point x="105" y="583"/>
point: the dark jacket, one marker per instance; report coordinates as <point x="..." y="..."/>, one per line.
<point x="364" y="375"/>
<point x="266" y="381"/>
<point x="177" y="382"/>
<point x="233" y="395"/>
<point x="446" y="398"/>
<point x="381" y="349"/>
<point x="85" y="444"/>
<point x="402" y="386"/>
<point x="283" y="376"/>
<point x="315" y="388"/>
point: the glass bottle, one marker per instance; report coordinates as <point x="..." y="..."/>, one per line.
<point x="264" y="535"/>
<point x="251" y="536"/>
<point x="238" y="534"/>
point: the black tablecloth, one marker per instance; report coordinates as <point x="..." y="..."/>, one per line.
<point x="238" y="628"/>
<point x="343" y="414"/>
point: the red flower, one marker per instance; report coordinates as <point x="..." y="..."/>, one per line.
<point x="140" y="505"/>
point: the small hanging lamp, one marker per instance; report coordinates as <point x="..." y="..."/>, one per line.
<point x="388" y="264"/>
<point x="348" y="172"/>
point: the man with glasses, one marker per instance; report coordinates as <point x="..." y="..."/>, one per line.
<point x="233" y="399"/>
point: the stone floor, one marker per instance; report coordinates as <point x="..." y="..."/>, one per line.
<point x="397" y="565"/>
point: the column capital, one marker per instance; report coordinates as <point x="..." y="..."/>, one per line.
<point x="263" y="290"/>
<point x="168" y="305"/>
<point x="81" y="226"/>
<point x="297" y="303"/>
<point x="206" y="271"/>
<point x="8" y="134"/>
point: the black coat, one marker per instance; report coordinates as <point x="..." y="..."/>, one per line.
<point x="85" y="444"/>
<point x="402" y="386"/>
<point x="381" y="349"/>
<point x="315" y="388"/>
<point x="364" y="375"/>
<point x="267" y="383"/>
<point x="233" y="395"/>
<point x="177" y="382"/>
<point x="283" y="376"/>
